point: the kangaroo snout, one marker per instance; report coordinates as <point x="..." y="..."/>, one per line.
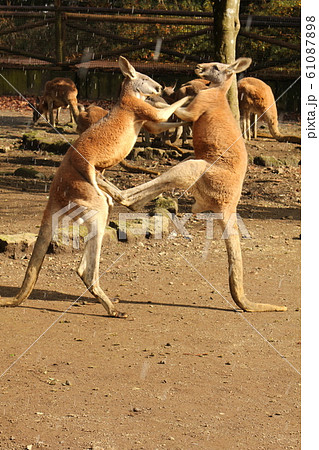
<point x="158" y="90"/>
<point x="199" y="70"/>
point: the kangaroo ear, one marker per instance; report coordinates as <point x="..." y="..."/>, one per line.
<point x="239" y="65"/>
<point x="127" y="68"/>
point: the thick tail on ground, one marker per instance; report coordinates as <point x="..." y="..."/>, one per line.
<point x="31" y="276"/>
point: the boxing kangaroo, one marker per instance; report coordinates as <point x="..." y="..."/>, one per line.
<point x="216" y="176"/>
<point x="74" y="186"/>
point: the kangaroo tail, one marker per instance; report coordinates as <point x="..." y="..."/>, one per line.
<point x="274" y="130"/>
<point x="292" y="139"/>
<point x="31" y="276"/>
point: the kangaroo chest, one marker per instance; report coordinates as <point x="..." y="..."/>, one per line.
<point x="113" y="141"/>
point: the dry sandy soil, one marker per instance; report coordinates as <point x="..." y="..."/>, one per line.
<point x="186" y="369"/>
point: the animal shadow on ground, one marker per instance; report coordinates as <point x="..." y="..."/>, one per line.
<point x="48" y="295"/>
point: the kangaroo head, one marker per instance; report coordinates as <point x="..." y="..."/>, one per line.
<point x="140" y="84"/>
<point x="169" y="90"/>
<point x="218" y="73"/>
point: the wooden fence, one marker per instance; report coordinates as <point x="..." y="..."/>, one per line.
<point x="64" y="21"/>
<point x="93" y="66"/>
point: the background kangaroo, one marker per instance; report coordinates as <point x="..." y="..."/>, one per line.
<point x="91" y="115"/>
<point x="216" y="176"/>
<point x="256" y="98"/>
<point x="189" y="89"/>
<point x="74" y="185"/>
<point x="59" y="92"/>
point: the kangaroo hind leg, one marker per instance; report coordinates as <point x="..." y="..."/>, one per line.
<point x="184" y="175"/>
<point x="89" y="266"/>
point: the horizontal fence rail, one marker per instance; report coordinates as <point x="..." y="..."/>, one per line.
<point x="91" y="13"/>
<point x="65" y="22"/>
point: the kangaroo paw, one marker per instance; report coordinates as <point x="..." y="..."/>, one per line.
<point x="110" y="188"/>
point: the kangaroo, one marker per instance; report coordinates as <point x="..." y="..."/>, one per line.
<point x="59" y="92"/>
<point x="95" y="113"/>
<point x="189" y="89"/>
<point x="215" y="177"/>
<point x="74" y="187"/>
<point x="91" y="115"/>
<point x="256" y="97"/>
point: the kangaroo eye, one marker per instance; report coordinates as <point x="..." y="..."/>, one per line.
<point x="216" y="68"/>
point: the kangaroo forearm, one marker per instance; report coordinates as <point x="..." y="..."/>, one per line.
<point x="157" y="128"/>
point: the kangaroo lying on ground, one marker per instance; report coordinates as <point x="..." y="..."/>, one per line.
<point x="256" y="97"/>
<point x="102" y="145"/>
<point x="216" y="176"/>
<point x="58" y="93"/>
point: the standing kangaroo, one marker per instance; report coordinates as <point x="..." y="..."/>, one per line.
<point x="102" y="145"/>
<point x="58" y="93"/>
<point x="256" y="97"/>
<point x="216" y="176"/>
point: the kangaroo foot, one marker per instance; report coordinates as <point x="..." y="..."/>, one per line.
<point x="10" y="301"/>
<point x="119" y="314"/>
<point x="248" y="306"/>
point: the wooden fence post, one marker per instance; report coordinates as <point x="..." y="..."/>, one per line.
<point x="59" y="38"/>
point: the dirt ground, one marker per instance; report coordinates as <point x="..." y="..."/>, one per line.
<point x="186" y="369"/>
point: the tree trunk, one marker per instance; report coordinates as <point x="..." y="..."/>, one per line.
<point x="59" y="42"/>
<point x="226" y="28"/>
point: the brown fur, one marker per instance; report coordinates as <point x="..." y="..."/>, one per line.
<point x="191" y="88"/>
<point x="102" y="145"/>
<point x="216" y="176"/>
<point x="90" y="116"/>
<point x="59" y="92"/>
<point x="256" y="97"/>
<point x="116" y="131"/>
